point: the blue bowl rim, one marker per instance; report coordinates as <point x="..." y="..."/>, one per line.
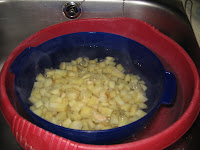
<point x="33" y="115"/>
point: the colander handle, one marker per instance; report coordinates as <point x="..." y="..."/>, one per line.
<point x="170" y="88"/>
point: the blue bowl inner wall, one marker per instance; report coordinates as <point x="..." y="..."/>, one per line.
<point x="133" y="56"/>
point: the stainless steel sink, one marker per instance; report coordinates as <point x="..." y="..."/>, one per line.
<point x="19" y="19"/>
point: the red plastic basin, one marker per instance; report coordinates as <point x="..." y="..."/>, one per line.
<point x="169" y="123"/>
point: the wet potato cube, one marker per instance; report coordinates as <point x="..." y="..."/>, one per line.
<point x="89" y="94"/>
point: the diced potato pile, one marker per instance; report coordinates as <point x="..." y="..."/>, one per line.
<point x="89" y="95"/>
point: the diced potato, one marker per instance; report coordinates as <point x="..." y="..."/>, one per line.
<point x="76" y="125"/>
<point x="49" y="72"/>
<point x="143" y="87"/>
<point x="33" y="99"/>
<point x="85" y="100"/>
<point x="61" y="73"/>
<point x="127" y="114"/>
<point x="32" y="108"/>
<point x="126" y="107"/>
<point x="113" y="104"/>
<point x="74" y="62"/>
<point x="86" y="94"/>
<point x="48" y="82"/>
<point x="110" y="58"/>
<point x="97" y="117"/>
<point x="53" y="120"/>
<point x="62" y="65"/>
<point x="66" y="123"/>
<point x="123" y="93"/>
<point x="127" y="98"/>
<point x="59" y="107"/>
<point x="47" y="115"/>
<point x="75" y="69"/>
<point x="140" y="113"/>
<point x="111" y="84"/>
<point x="38" y="104"/>
<point x="96" y="90"/>
<point x="42" y="91"/>
<point x="78" y="81"/>
<point x="115" y="72"/>
<point x="121" y="86"/>
<point x="40" y="77"/>
<point x="134" y="79"/>
<point x="86" y="112"/>
<point x="120" y="68"/>
<point x="55" y="91"/>
<point x="99" y="127"/>
<point x="77" y="106"/>
<point x="142" y="105"/>
<point x="86" y="76"/>
<point x="36" y="93"/>
<point x="75" y="116"/>
<point x="86" y="59"/>
<point x="91" y="69"/>
<point x="55" y="99"/>
<point x="127" y="78"/>
<point x="94" y="61"/>
<point x="105" y="104"/>
<point x="85" y="125"/>
<point x="78" y="60"/>
<point x="106" y="127"/>
<point x="63" y="95"/>
<point x="140" y="98"/>
<point x="93" y="101"/>
<point x="69" y="67"/>
<point x="90" y="124"/>
<point x="72" y="74"/>
<point x="127" y="87"/>
<point x="103" y="96"/>
<point x="102" y="64"/>
<point x="123" y="121"/>
<point x="114" y="119"/>
<point x="38" y="85"/>
<point x="134" y="109"/>
<point x="119" y="101"/>
<point x="112" y="94"/>
<point x="133" y="119"/>
<point x="61" y="116"/>
<point x="38" y="111"/>
<point x="106" y="111"/>
<point x="72" y="103"/>
<point x="90" y="86"/>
